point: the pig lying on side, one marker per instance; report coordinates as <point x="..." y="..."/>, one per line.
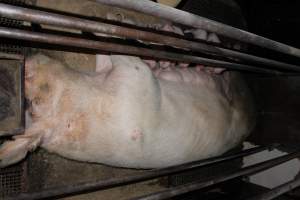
<point x="125" y="116"/>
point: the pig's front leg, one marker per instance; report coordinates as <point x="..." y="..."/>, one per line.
<point x="15" y="150"/>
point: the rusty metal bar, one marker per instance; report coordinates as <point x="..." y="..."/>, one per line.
<point x="59" y="20"/>
<point x="246" y="171"/>
<point x="278" y="191"/>
<point x="124" y="49"/>
<point x="11" y="56"/>
<point x="188" y="19"/>
<point x="151" y="174"/>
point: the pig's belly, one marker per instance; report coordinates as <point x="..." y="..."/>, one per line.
<point x="154" y="123"/>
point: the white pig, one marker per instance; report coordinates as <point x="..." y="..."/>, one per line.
<point x="126" y="117"/>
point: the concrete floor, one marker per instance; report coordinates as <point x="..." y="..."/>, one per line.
<point x="48" y="170"/>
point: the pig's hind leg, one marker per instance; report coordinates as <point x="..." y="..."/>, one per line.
<point x="15" y="150"/>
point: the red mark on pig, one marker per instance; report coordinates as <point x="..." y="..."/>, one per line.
<point x="136" y="134"/>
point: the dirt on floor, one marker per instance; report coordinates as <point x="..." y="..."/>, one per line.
<point x="49" y="170"/>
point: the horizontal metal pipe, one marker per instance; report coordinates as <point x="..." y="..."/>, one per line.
<point x="179" y="190"/>
<point x="188" y="19"/>
<point x="124" y="49"/>
<point x="11" y="56"/>
<point x="278" y="191"/>
<point x="59" y="20"/>
<point x="259" y="60"/>
<point x="147" y="175"/>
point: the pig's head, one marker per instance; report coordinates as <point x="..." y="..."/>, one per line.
<point x="40" y="83"/>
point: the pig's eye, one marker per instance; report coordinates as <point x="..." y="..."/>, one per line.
<point x="37" y="101"/>
<point x="29" y="78"/>
<point x="44" y="87"/>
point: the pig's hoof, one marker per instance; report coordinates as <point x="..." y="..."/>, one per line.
<point x="14" y="151"/>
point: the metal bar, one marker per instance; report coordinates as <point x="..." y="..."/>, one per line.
<point x="11" y="56"/>
<point x="280" y="190"/>
<point x="188" y="19"/>
<point x="151" y="174"/>
<point x="258" y="60"/>
<point x="124" y="49"/>
<point x="252" y="169"/>
<point x="59" y="20"/>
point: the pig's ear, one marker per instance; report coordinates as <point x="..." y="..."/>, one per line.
<point x="103" y="63"/>
<point x="15" y="150"/>
<point x="33" y="61"/>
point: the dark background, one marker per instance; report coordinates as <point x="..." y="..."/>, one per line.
<point x="275" y="19"/>
<point x="277" y="97"/>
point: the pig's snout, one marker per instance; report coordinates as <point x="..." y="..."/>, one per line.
<point x="29" y="69"/>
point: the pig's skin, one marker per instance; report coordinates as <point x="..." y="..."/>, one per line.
<point x="128" y="118"/>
